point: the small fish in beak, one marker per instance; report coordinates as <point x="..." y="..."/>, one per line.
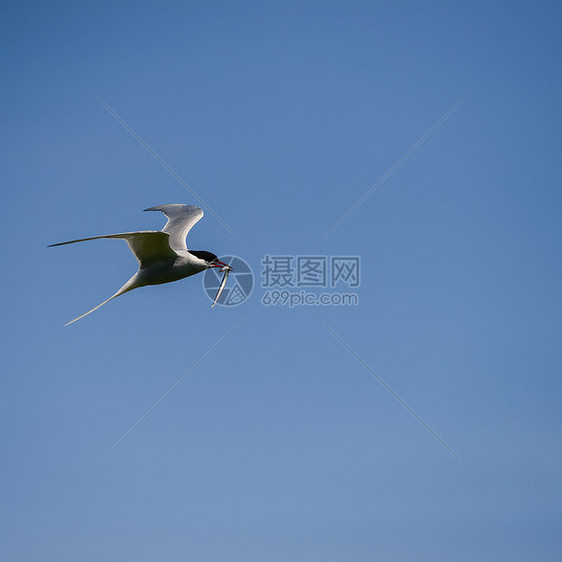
<point x="226" y="269"/>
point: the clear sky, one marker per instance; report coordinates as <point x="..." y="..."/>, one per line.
<point x="282" y="445"/>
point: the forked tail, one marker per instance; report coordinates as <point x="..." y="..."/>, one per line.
<point x="128" y="286"/>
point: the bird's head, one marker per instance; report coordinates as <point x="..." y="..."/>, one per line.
<point x="210" y="259"/>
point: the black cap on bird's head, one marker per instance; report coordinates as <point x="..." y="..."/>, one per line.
<point x="210" y="258"/>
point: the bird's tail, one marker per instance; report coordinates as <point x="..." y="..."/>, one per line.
<point x="128" y="286"/>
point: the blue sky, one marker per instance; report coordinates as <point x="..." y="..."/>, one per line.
<point x="281" y="445"/>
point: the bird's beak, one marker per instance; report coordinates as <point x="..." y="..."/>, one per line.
<point x="221" y="264"/>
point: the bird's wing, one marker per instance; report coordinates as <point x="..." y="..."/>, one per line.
<point x="181" y="219"/>
<point x="148" y="246"/>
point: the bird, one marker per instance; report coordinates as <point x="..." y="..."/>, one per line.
<point x="162" y="254"/>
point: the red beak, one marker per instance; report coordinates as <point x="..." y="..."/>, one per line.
<point x="218" y="263"/>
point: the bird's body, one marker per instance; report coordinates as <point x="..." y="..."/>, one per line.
<point x="167" y="270"/>
<point x="162" y="254"/>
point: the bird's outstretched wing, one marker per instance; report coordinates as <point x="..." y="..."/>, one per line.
<point x="181" y="219"/>
<point x="148" y="246"/>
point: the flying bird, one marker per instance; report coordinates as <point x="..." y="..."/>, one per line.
<point x="162" y="254"/>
